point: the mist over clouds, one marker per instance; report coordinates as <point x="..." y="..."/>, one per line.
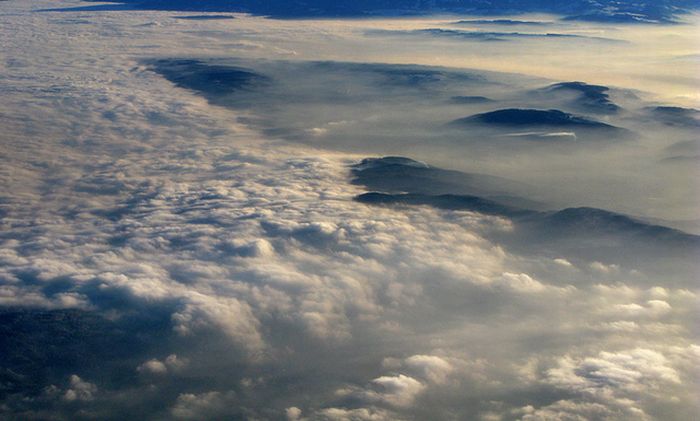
<point x="578" y="135"/>
<point x="196" y="221"/>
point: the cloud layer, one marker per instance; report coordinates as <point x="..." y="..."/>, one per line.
<point x="159" y="259"/>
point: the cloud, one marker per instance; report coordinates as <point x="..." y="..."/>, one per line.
<point x="625" y="370"/>
<point x="610" y="385"/>
<point x="570" y="411"/>
<point x="360" y="414"/>
<point x="430" y="367"/>
<point x="190" y="406"/>
<point x="293" y="413"/>
<point x="229" y="315"/>
<point x="79" y="390"/>
<point x="616" y="379"/>
<point x="170" y="364"/>
<point x="159" y="258"/>
<point x="396" y="390"/>
<point x="653" y="308"/>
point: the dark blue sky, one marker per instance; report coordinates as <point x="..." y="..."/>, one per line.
<point x="605" y="10"/>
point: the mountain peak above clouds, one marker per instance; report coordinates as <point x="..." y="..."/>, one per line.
<point x="532" y="117"/>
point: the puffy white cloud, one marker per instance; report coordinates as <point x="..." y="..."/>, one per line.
<point x="611" y="382"/>
<point x="79" y="390"/>
<point x="293" y="413"/>
<point x="230" y="315"/>
<point x="563" y="262"/>
<point x="191" y="406"/>
<point x="566" y="410"/>
<point x="521" y="282"/>
<point x="170" y="364"/>
<point x="399" y="391"/>
<point x="430" y="367"/>
<point x="18" y="296"/>
<point x="153" y="366"/>
<point x="626" y="370"/>
<point x="652" y="308"/>
<point x="359" y="414"/>
<point x="603" y="268"/>
<point x="396" y="390"/>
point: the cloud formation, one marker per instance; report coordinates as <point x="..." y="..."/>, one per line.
<point x="166" y="257"/>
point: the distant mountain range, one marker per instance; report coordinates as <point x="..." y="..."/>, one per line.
<point x="394" y="174"/>
<point x="529" y="117"/>
<point x="578" y="231"/>
<point x="593" y="98"/>
<point x="626" y="11"/>
<point x="677" y="116"/>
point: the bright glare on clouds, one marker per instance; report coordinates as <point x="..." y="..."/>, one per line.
<point x="159" y="259"/>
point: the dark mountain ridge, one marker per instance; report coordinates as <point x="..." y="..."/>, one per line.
<point x="394" y="174"/>
<point x="532" y="118"/>
<point x="591" y="97"/>
<point x="575" y="231"/>
<point x="677" y="116"/>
